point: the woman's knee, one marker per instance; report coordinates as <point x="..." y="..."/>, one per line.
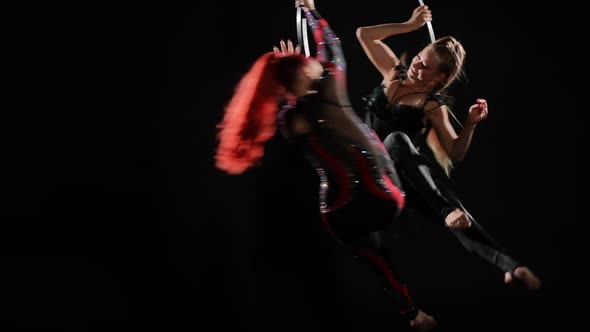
<point x="398" y="143"/>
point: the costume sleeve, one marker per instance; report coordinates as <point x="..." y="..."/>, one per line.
<point x="328" y="45"/>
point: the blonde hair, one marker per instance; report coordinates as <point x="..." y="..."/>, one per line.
<point x="439" y="152"/>
<point x="451" y="56"/>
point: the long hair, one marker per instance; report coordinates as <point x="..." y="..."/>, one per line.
<point x="451" y="56"/>
<point x="250" y="115"/>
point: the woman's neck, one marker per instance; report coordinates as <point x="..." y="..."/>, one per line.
<point x="417" y="85"/>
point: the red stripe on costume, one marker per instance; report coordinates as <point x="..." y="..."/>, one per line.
<point x="395" y="192"/>
<point x="387" y="272"/>
<point x="340" y="172"/>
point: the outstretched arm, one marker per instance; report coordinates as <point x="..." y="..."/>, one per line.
<point x="380" y="55"/>
<point x="457" y="145"/>
<point x="328" y="46"/>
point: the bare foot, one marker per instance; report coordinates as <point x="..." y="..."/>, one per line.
<point x="457" y="219"/>
<point x="423" y="322"/>
<point x="525" y="275"/>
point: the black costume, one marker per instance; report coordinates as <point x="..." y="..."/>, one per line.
<point x="359" y="188"/>
<point x="426" y="184"/>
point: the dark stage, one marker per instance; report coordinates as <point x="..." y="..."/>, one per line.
<point x="115" y="216"/>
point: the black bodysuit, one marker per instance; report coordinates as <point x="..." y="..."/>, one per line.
<point x="359" y="188"/>
<point x="426" y="184"/>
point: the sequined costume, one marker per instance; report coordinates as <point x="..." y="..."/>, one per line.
<point x="427" y="186"/>
<point x="359" y="188"/>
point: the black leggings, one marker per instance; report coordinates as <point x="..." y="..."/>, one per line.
<point x="429" y="191"/>
<point x="358" y="226"/>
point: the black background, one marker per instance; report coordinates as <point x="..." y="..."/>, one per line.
<point x="114" y="212"/>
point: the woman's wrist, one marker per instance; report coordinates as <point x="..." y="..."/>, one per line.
<point x="469" y="124"/>
<point x="411" y="25"/>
